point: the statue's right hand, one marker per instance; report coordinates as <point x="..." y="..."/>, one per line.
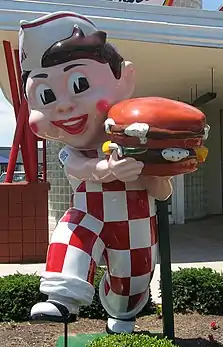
<point x="125" y="170"/>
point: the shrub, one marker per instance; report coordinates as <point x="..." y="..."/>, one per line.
<point x="198" y="290"/>
<point x="18" y="293"/>
<point x="128" y="340"/>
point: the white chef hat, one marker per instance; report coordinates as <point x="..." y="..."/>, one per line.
<point x="36" y="36"/>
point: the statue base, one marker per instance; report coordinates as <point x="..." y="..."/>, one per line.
<point x="79" y="340"/>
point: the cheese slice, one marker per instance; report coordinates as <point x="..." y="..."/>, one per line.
<point x="202" y="153"/>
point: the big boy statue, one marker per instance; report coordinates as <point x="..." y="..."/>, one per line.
<point x="72" y="76"/>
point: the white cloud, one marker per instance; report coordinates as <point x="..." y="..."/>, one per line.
<point x="7" y="123"/>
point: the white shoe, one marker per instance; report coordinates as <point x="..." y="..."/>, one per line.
<point x="52" y="311"/>
<point x="118" y="326"/>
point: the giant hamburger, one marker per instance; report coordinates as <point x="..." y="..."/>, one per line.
<point x="166" y="135"/>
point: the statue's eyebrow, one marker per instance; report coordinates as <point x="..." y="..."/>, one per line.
<point x="67" y="68"/>
<point x="71" y="66"/>
<point x="41" y="75"/>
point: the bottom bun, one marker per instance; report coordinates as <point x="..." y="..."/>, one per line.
<point x="170" y="169"/>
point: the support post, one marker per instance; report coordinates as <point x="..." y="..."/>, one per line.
<point x="44" y="162"/>
<point x="23" y="135"/>
<point x="15" y="100"/>
<point x="30" y="139"/>
<point x="165" y="269"/>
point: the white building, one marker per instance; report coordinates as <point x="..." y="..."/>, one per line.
<point x="174" y="50"/>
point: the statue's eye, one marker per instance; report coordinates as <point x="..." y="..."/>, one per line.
<point x="44" y="94"/>
<point x="77" y="83"/>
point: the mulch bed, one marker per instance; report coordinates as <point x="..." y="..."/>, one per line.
<point x="191" y="330"/>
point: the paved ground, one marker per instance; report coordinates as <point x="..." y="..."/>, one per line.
<point x="198" y="241"/>
<point x="196" y="244"/>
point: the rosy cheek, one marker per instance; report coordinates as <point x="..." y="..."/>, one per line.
<point x="34" y="127"/>
<point x="103" y="106"/>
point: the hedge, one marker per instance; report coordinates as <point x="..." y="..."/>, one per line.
<point x="18" y="293"/>
<point x="194" y="289"/>
<point x="198" y="290"/>
<point x="130" y="340"/>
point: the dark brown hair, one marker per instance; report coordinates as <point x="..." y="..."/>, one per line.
<point x="79" y="46"/>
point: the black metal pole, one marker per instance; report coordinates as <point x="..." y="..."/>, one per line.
<point x="66" y="334"/>
<point x="165" y="269"/>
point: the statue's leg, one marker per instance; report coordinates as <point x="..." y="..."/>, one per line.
<point x="73" y="255"/>
<point x="124" y="290"/>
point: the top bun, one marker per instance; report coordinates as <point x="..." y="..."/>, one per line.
<point x="159" y="113"/>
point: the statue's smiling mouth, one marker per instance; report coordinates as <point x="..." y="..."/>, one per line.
<point x="73" y="126"/>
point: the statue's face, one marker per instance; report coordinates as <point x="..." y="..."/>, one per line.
<point x="69" y="102"/>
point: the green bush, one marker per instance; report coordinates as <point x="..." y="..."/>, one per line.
<point x="194" y="289"/>
<point x="128" y="340"/>
<point x="198" y="290"/>
<point x="18" y="293"/>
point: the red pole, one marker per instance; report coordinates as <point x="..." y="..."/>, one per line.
<point x="44" y="162"/>
<point x="16" y="103"/>
<point x="19" y="72"/>
<point x="30" y="139"/>
<point x="16" y="142"/>
<point x="12" y="77"/>
<point x="33" y="156"/>
<point x="24" y="140"/>
<point x="168" y="3"/>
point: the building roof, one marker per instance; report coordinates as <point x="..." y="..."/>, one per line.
<point x="151" y="23"/>
<point x="3" y="160"/>
<point x="167" y="44"/>
<point x="5" y="153"/>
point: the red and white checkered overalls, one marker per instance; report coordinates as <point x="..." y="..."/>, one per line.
<point x="116" y="221"/>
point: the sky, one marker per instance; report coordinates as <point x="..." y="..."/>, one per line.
<point x="212" y="4"/>
<point x="7" y="118"/>
<point x="7" y="122"/>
